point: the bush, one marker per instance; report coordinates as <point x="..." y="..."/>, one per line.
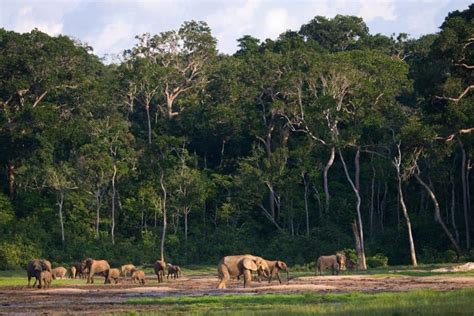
<point x="16" y="254"/>
<point x="379" y="260"/>
<point x="449" y="256"/>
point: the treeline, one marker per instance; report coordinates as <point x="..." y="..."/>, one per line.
<point x="323" y="139"/>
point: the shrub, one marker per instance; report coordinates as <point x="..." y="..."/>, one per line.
<point x="16" y="254"/>
<point x="379" y="260"/>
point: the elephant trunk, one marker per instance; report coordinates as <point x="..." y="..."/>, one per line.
<point x="287" y="276"/>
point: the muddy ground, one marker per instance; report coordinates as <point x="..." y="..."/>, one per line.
<point x="99" y="298"/>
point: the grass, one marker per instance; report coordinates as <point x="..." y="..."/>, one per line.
<point x="422" y="302"/>
<point x="18" y="277"/>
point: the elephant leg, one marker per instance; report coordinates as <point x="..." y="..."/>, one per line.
<point x="247" y="277"/>
<point x="40" y="283"/>
<point x="29" y="281"/>
<point x="36" y="280"/>
<point x="278" y="277"/>
<point x="224" y="277"/>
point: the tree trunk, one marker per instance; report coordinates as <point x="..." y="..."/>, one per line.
<point x="359" y="252"/>
<point x="438" y="215"/>
<point x="11" y="179"/>
<point x="453" y="207"/>
<point x="408" y="223"/>
<point x="306" y="206"/>
<point x="60" y="207"/>
<point x="97" y="212"/>
<point x="464" y="196"/>
<point x="398" y="164"/>
<point x="271" y="199"/>
<point x="325" y="175"/>
<point x="186" y="212"/>
<point x="372" y="193"/>
<point x="163" y="233"/>
<point x="362" y="263"/>
<point x="112" y="229"/>
<point x="147" y="109"/>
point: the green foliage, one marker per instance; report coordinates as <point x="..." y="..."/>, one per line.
<point x="232" y="149"/>
<point x="17" y="253"/>
<point x="378" y="260"/>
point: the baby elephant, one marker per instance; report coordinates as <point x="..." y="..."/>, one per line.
<point x="139" y="276"/>
<point x="173" y="270"/>
<point x="59" y="273"/>
<point x="46" y="277"/>
<point x="275" y="268"/>
<point x="336" y="262"/>
<point x="127" y="269"/>
<point x="72" y="272"/>
<point x="114" y="275"/>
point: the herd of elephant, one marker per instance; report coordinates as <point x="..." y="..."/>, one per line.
<point x="229" y="267"/>
<point x="42" y="271"/>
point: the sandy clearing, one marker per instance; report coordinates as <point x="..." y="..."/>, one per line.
<point x="99" y="298"/>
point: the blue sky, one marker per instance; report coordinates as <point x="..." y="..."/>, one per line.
<point x="109" y="26"/>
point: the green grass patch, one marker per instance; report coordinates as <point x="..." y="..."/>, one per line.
<point x="423" y="302"/>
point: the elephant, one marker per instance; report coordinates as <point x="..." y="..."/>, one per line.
<point x="337" y="262"/>
<point x="275" y="267"/>
<point x="127" y="269"/>
<point x="46" y="277"/>
<point x="235" y="266"/>
<point x="95" y="267"/>
<point x="160" y="267"/>
<point x="72" y="272"/>
<point x="139" y="276"/>
<point x="173" y="270"/>
<point x="34" y="269"/>
<point x="59" y="273"/>
<point x="114" y="274"/>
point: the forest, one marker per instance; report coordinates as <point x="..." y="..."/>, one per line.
<point x="326" y="138"/>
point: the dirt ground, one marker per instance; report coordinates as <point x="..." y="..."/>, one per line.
<point x="98" y="298"/>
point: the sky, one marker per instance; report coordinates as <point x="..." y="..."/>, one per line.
<point x="110" y="26"/>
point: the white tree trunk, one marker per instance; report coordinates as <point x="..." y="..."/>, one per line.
<point x="163" y="233"/>
<point x="362" y="261"/>
<point x="112" y="228"/>
<point x="61" y="221"/>
<point x="465" y="196"/>
<point x="438" y="214"/>
<point x="325" y="176"/>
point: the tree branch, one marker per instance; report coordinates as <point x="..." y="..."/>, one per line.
<point x="459" y="97"/>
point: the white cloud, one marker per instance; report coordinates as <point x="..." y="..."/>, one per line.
<point x="111" y="37"/>
<point x="278" y="21"/>
<point x="27" y="20"/>
<point x="369" y="10"/>
<point x="233" y="22"/>
<point x="425" y="21"/>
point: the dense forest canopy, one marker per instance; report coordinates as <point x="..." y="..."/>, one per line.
<point x="326" y="138"/>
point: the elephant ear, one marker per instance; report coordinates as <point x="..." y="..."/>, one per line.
<point x="280" y="265"/>
<point x="249" y="264"/>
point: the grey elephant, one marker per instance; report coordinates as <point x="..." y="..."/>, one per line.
<point x="46" y="277"/>
<point x="160" y="267"/>
<point x="34" y="269"/>
<point x="173" y="270"/>
<point x="275" y="268"/>
<point x="94" y="267"/>
<point x="336" y="262"/>
<point x="235" y="266"/>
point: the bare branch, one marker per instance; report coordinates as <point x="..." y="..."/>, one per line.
<point x="459" y="97"/>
